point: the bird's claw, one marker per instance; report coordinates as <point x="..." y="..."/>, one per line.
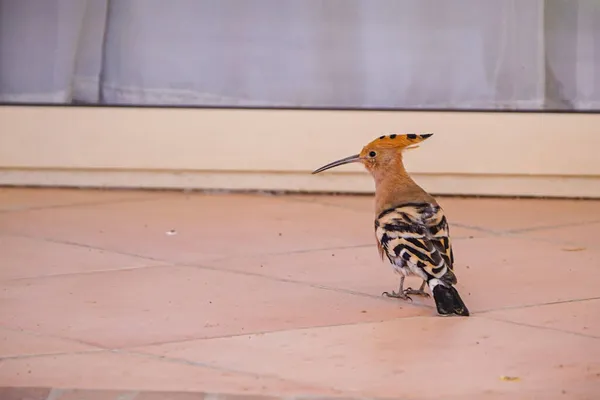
<point x="416" y="292"/>
<point x="399" y="295"/>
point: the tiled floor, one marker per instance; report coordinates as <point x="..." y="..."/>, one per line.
<point x="132" y="291"/>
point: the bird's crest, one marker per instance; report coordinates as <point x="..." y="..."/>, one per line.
<point x="397" y="141"/>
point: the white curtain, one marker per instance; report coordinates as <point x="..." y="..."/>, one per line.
<point x="498" y="54"/>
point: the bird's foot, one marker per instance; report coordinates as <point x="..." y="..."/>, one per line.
<point x="416" y="292"/>
<point x="397" y="295"/>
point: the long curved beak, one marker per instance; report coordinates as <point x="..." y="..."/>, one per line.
<point x="347" y="160"/>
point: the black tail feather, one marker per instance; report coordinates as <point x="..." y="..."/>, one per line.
<point x="448" y="301"/>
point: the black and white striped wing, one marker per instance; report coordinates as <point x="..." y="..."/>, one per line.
<point x="417" y="235"/>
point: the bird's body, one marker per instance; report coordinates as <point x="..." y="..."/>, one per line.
<point x="410" y="227"/>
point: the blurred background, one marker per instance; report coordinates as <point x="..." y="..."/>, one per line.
<point x="481" y="54"/>
<point x="300" y="83"/>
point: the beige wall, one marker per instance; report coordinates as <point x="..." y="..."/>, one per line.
<point x="470" y="153"/>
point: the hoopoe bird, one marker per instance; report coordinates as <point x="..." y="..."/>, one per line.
<point x="410" y="226"/>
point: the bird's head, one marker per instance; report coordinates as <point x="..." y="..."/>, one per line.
<point x="382" y="153"/>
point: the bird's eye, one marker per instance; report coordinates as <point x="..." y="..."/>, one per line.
<point x="372" y="154"/>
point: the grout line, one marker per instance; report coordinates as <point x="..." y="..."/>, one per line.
<point x="87" y="246"/>
<point x="282" y="253"/>
<point x="474" y="228"/>
<point x="184" y="361"/>
<point x="80" y="204"/>
<point x="211" y="268"/>
<point x="51" y="336"/>
<point x="547" y="328"/>
<point x="287" y="280"/>
<point x="276" y="331"/>
<point x="550" y="227"/>
<point x="550" y="303"/>
<point x="459" y="224"/>
<point x="59" y="353"/>
<point x="521" y="237"/>
<point x="560" y="243"/>
<point x="170" y="262"/>
<point x="79" y="273"/>
<point x="312" y="250"/>
<point x="480" y="314"/>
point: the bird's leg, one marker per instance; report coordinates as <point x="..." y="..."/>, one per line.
<point x="419" y="292"/>
<point x="400" y="294"/>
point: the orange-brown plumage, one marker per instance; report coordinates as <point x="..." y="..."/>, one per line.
<point x="410" y="227"/>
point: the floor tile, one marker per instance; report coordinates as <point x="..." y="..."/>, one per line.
<point x="133" y="372"/>
<point x="303" y="274"/>
<point x="18" y="199"/>
<point x="15" y="343"/>
<point x="422" y="357"/>
<point x="581" y="317"/>
<point x="204" y="226"/>
<point x="135" y="307"/>
<point x="501" y="272"/>
<point x="26" y="258"/>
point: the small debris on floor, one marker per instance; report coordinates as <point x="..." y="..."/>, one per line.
<point x="172" y="232"/>
<point x="573" y="248"/>
<point x="510" y="378"/>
